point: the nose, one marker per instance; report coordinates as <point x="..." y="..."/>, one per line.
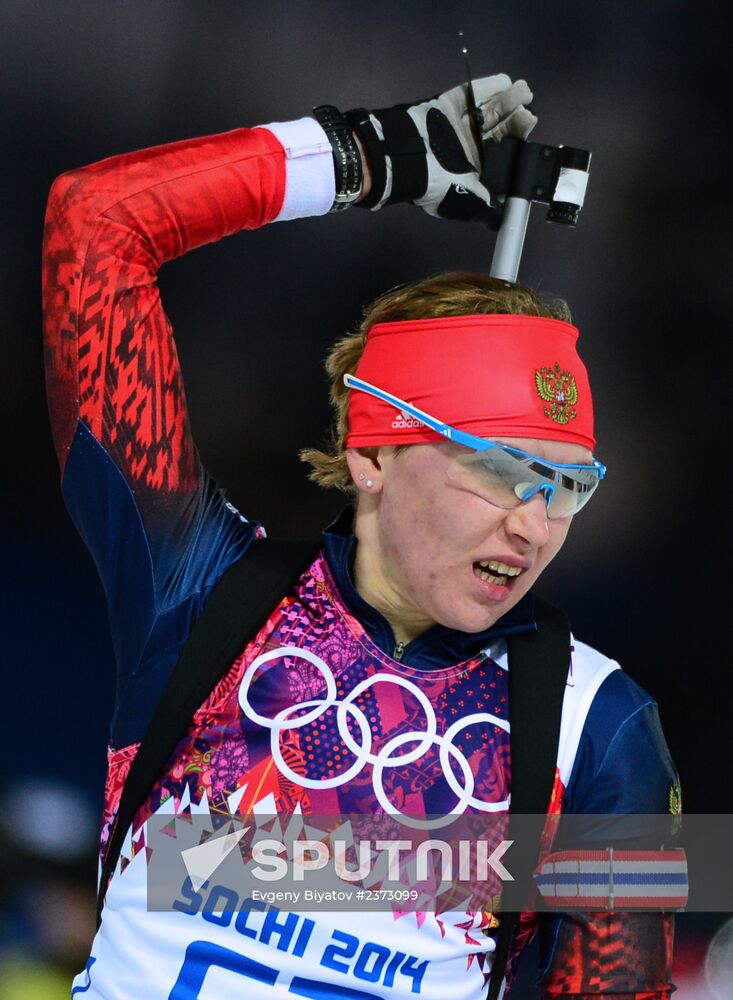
<point x="528" y="521"/>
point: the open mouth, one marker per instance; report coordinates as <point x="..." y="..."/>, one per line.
<point x="498" y="573"/>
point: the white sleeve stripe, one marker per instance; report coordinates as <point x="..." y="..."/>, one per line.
<point x="577" y="703"/>
<point x="309" y="183"/>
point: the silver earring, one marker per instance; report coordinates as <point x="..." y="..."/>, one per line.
<point x="369" y="484"/>
<point x="362" y="477"/>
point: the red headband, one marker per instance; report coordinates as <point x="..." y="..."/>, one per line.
<point x="490" y="375"/>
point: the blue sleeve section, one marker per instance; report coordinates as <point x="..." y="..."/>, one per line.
<point x="623" y="764"/>
<point x="156" y="575"/>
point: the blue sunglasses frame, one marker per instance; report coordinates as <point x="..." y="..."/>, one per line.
<point x="470" y="440"/>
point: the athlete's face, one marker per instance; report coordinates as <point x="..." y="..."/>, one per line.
<point x="425" y="538"/>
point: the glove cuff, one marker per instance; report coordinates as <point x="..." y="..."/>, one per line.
<point x="403" y="144"/>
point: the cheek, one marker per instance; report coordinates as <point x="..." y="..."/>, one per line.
<point x="405" y="524"/>
<point x="445" y="526"/>
<point x="431" y="530"/>
<point x="418" y="527"/>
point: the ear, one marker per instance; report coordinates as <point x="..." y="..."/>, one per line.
<point x="366" y="468"/>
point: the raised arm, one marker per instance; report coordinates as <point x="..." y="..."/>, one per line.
<point x="160" y="532"/>
<point x="109" y="227"/>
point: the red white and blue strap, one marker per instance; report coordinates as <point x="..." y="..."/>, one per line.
<point x="613" y="880"/>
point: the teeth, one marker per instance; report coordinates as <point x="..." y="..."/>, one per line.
<point x="489" y="577"/>
<point x="500" y="567"/>
<point x="493" y="571"/>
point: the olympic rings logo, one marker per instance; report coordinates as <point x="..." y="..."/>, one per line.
<point x="384" y="758"/>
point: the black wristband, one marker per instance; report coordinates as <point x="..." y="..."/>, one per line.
<point x="348" y="172"/>
<point x="374" y="149"/>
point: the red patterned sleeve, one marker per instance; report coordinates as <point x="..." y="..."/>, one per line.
<point x="666" y="995"/>
<point x="607" y="955"/>
<point x="111" y="360"/>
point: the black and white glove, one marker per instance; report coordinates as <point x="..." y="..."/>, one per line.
<point x="428" y="153"/>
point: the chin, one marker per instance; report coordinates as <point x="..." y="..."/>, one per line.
<point x="477" y="616"/>
<point x="473" y="620"/>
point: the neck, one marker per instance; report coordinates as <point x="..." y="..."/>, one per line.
<point x="377" y="581"/>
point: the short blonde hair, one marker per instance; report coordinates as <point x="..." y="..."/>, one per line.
<point x="455" y="293"/>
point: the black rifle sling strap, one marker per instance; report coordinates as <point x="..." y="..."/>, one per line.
<point x="235" y="612"/>
<point x="538" y="672"/>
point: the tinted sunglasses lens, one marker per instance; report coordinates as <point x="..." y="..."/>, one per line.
<point x="488" y="476"/>
<point x="572" y="491"/>
<point x="504" y="479"/>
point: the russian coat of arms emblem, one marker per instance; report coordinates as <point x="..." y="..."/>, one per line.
<point x="557" y="388"/>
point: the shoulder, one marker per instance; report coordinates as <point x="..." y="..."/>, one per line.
<point x="589" y="671"/>
<point x="613" y="756"/>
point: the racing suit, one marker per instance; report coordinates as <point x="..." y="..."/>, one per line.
<point x="162" y="535"/>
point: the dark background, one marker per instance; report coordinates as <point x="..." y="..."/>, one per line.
<point x="644" y="572"/>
